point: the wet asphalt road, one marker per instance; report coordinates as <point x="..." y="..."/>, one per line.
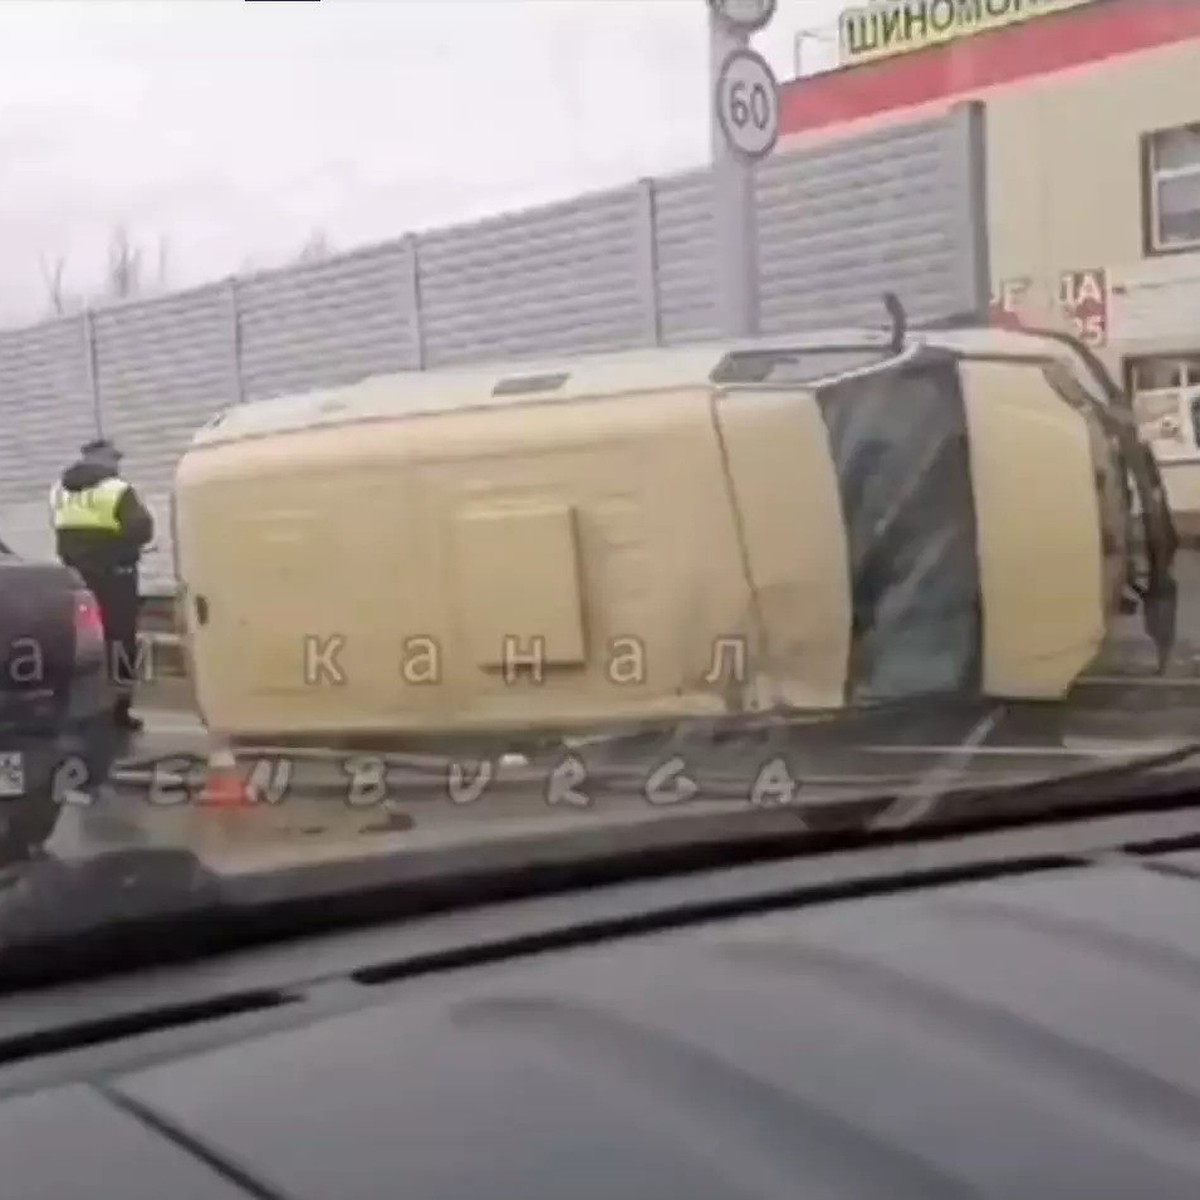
<point x="128" y="854"/>
<point x="1113" y="723"/>
<point x="318" y="806"/>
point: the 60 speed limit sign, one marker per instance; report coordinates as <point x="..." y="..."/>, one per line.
<point x="747" y="104"/>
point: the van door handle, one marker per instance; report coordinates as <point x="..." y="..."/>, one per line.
<point x="201" y="605"/>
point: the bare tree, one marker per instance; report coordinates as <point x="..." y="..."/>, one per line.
<point x="62" y="301"/>
<point x="162" y="272"/>
<point x="127" y="275"/>
<point x="52" y="277"/>
<point x="316" y="248"/>
<point x="123" y="278"/>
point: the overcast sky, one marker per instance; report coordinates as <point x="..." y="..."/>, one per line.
<point x="234" y="130"/>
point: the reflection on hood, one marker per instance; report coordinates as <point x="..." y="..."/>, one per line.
<point x="51" y="899"/>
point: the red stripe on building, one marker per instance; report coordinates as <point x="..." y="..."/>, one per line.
<point x="985" y="60"/>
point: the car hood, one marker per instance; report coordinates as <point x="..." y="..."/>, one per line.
<point x="1026" y="1036"/>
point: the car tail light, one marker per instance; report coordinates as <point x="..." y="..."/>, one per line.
<point x="89" y="628"/>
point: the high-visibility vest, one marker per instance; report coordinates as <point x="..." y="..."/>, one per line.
<point x="93" y="508"/>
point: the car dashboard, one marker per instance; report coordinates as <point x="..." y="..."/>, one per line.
<point x="941" y="1022"/>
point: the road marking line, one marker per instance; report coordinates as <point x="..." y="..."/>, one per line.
<point x="1100" y="749"/>
<point x="916" y="802"/>
<point x="1132" y="683"/>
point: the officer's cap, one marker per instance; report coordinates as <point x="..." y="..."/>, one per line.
<point x="101" y="446"/>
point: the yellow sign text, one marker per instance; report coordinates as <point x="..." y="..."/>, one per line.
<point x="884" y="30"/>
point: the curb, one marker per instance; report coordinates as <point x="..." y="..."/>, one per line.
<point x="1116" y="694"/>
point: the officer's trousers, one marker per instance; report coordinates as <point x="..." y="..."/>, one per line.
<point x="116" y="591"/>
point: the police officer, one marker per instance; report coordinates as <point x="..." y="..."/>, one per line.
<point x="101" y="528"/>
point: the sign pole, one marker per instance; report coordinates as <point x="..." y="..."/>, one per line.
<point x="744" y="118"/>
<point x="735" y="224"/>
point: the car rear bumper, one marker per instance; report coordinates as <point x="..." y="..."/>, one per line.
<point x="35" y="766"/>
<point x="71" y="744"/>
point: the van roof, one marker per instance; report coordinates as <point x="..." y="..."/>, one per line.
<point x="725" y="363"/>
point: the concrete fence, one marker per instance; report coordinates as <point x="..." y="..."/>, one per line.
<point x="900" y="209"/>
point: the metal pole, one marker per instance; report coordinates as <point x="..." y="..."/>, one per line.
<point x="734" y="216"/>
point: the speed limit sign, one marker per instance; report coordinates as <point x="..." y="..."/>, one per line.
<point x="747" y="103"/>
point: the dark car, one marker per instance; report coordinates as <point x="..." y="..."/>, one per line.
<point x="55" y="699"/>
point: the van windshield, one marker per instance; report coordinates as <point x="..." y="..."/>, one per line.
<point x="901" y="452"/>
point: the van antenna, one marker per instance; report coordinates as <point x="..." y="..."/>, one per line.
<point x="895" y="310"/>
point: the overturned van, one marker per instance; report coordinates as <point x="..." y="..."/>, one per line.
<point x="806" y="524"/>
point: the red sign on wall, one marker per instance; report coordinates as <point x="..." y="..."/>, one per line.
<point x="1084" y="298"/>
<point x="1007" y="300"/>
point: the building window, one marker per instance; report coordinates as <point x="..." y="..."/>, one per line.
<point x="1166" y="404"/>
<point x="1173" y="188"/>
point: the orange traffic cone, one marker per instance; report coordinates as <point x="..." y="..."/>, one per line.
<point x="223" y="784"/>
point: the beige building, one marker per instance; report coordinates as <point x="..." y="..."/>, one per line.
<point x="1093" y="136"/>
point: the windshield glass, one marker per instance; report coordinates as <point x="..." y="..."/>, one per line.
<point x="741" y="408"/>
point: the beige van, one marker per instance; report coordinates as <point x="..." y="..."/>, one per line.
<point x="794" y="523"/>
